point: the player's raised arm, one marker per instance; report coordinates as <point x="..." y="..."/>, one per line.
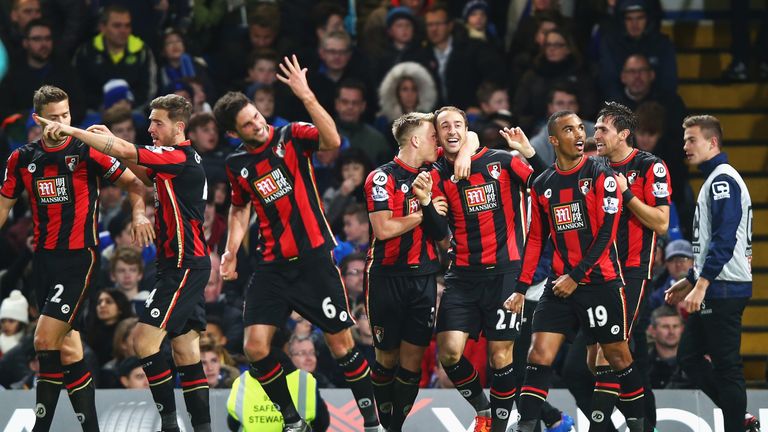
<point x="107" y="144"/>
<point x="295" y="77"/>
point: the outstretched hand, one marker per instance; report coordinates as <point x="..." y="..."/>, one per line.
<point x="295" y="77"/>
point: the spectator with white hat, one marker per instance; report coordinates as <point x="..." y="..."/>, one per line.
<point x="14" y="317"/>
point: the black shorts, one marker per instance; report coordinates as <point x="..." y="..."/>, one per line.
<point x="61" y="280"/>
<point x="600" y="310"/>
<point x="401" y="308"/>
<point x="473" y="303"/>
<point x="635" y="293"/>
<point x="310" y="285"/>
<point x="176" y="303"/>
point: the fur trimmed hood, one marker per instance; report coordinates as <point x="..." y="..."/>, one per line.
<point x="390" y="107"/>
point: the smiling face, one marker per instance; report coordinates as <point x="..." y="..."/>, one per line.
<point x="608" y="139"/>
<point x="568" y="138"/>
<point x="451" y="130"/>
<point x="251" y="126"/>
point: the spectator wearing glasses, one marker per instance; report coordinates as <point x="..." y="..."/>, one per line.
<point x="353" y="271"/>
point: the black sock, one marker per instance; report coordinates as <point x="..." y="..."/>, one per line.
<point x="161" y="383"/>
<point x="405" y="389"/>
<point x="502" y="397"/>
<point x="467" y="382"/>
<point x="604" y="398"/>
<point x="49" y="380"/>
<point x="550" y="415"/>
<point x="270" y="374"/>
<point x="82" y="394"/>
<point x="631" y="398"/>
<point x="194" y="385"/>
<point x="383" y="381"/>
<point x="533" y="394"/>
<point x="358" y="377"/>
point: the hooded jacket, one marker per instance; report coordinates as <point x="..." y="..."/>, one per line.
<point x="390" y="106"/>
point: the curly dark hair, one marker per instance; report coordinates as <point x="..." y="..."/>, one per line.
<point x="622" y="117"/>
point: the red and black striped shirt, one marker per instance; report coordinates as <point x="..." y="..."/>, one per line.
<point x="388" y="188"/>
<point x="648" y="179"/>
<point x="278" y="178"/>
<point x="579" y="209"/>
<point x="487" y="212"/>
<point x="63" y="187"/>
<point x="180" y="194"/>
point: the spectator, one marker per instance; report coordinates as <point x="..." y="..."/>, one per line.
<point x="176" y="64"/>
<point x="22" y="13"/>
<point x="678" y="260"/>
<point x="529" y="43"/>
<point x="353" y="168"/>
<point x="350" y="105"/>
<point x="636" y="36"/>
<point x="475" y="16"/>
<point x="666" y="329"/>
<point x="406" y="88"/>
<point x="112" y="306"/>
<point x="116" y="53"/>
<point x="263" y="97"/>
<point x="126" y="269"/>
<point x="35" y="66"/>
<point x="122" y="348"/>
<point x="562" y="97"/>
<point x="216" y="304"/>
<point x="640" y="85"/>
<point x="119" y="120"/>
<point x="132" y="375"/>
<point x="206" y="18"/>
<point x="400" y="45"/>
<point x="204" y="134"/>
<point x="492" y="98"/>
<point x="262" y="70"/>
<point x="560" y="62"/>
<point x="219" y="375"/>
<point x="458" y="67"/>
<point x="356" y="233"/>
<point x="363" y="333"/>
<point x="14" y="318"/>
<point x="352" y="269"/>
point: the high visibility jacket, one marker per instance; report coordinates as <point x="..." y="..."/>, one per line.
<point x="250" y="405"/>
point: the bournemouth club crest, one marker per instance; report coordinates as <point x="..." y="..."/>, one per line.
<point x="585" y="185"/>
<point x="71" y="162"/>
<point x="631" y="177"/>
<point x="494" y="169"/>
<point x="279" y="149"/>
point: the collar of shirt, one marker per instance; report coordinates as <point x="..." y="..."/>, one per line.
<point x="708" y="166"/>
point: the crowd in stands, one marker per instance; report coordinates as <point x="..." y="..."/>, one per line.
<point x="367" y="66"/>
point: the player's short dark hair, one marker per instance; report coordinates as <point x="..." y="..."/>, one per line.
<point x="451" y="108"/>
<point x="622" y="117"/>
<point x="37" y="22"/>
<point x="178" y="107"/>
<point x="227" y="107"/>
<point x="709" y="125"/>
<point x="323" y="11"/>
<point x="127" y="255"/>
<point x="112" y="9"/>
<point x="486" y="90"/>
<point x="117" y="113"/>
<point x="358" y="210"/>
<point x="552" y="122"/>
<point x="664" y="311"/>
<point x="47" y="94"/>
<point x="561" y="87"/>
<point x="650" y="117"/>
<point x="403" y="126"/>
<point x="199" y="120"/>
<point x="351" y="83"/>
